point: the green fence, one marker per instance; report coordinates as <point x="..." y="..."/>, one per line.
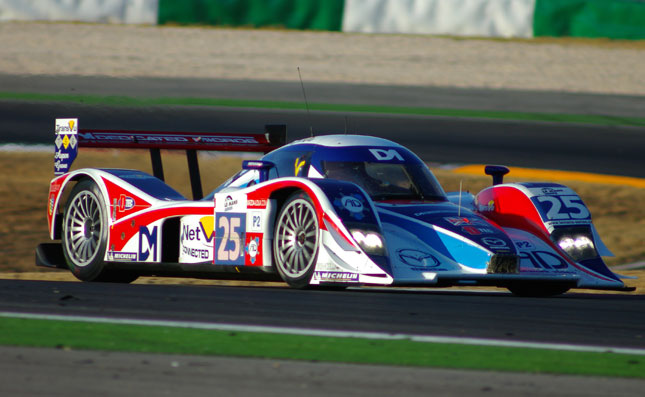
<point x="291" y="14"/>
<point x="616" y="19"/>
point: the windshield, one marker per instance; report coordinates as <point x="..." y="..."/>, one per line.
<point x="387" y="181"/>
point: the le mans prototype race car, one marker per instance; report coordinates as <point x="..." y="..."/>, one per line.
<point x="334" y="211"/>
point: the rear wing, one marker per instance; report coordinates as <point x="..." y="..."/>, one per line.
<point x="69" y="138"/>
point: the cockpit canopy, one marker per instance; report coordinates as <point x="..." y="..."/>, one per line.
<point x="385" y="170"/>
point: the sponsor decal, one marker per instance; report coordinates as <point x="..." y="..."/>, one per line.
<point x="550" y="190"/>
<point x="298" y="165"/>
<point x="471" y="230"/>
<point x="417" y="259"/>
<point x="336" y="276"/>
<point x="196" y="253"/>
<point x="256" y="203"/>
<point x="229" y="203"/>
<point x="495" y="243"/>
<point x="252" y="249"/>
<point x="115" y="137"/>
<point x="543" y="260"/>
<point x="203" y="232"/>
<point x="50" y="207"/>
<point x="386" y="154"/>
<point x="196" y="238"/>
<point x="116" y="256"/>
<point x="476" y="231"/>
<point x="462" y="221"/>
<point x="66" y="126"/>
<point x="328" y="266"/>
<point x="125" y="203"/>
<point x="147" y="243"/>
<point x="352" y="203"/>
<point x="65" y="153"/>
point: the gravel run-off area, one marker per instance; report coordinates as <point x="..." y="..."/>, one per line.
<point x="591" y="66"/>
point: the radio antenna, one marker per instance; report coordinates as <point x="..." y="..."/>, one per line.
<point x="311" y="129"/>
<point x="459" y="205"/>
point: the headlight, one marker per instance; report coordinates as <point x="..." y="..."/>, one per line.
<point x="576" y="242"/>
<point x="370" y="242"/>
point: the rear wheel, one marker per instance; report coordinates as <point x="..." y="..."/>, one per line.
<point x="538" y="290"/>
<point x="295" y="242"/>
<point x="84" y="235"/>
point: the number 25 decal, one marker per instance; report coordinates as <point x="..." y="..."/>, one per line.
<point x="229" y="237"/>
<point x="564" y="207"/>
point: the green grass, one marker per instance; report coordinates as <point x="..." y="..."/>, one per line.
<point x="245" y="103"/>
<point x="136" y="338"/>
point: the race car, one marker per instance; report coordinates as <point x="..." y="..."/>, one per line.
<point x="330" y="211"/>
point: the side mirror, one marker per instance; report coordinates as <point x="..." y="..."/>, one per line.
<point x="498" y="172"/>
<point x="261" y="165"/>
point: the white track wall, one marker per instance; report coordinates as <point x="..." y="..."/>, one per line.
<point x="486" y="18"/>
<point x="104" y="11"/>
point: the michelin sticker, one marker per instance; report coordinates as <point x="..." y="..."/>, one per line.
<point x="344" y="277"/>
<point x="66" y="145"/>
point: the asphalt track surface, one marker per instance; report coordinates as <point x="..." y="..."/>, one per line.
<point x="614" y="150"/>
<point x="601" y="320"/>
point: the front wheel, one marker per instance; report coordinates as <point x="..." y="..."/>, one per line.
<point x="296" y="240"/>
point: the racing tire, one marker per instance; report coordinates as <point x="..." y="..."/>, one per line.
<point x="84" y="235"/>
<point x="296" y="240"/>
<point x="538" y="290"/>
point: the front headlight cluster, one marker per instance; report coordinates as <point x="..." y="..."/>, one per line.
<point x="576" y="241"/>
<point x="371" y="242"/>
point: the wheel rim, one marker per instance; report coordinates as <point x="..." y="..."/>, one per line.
<point x="83" y="228"/>
<point x="297" y="238"/>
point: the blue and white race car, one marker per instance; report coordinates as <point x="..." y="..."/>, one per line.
<point x="334" y="210"/>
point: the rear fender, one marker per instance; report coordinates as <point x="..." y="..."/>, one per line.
<point x="125" y="192"/>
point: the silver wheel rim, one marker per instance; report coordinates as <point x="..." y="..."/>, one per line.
<point x="83" y="228"/>
<point x="297" y="238"/>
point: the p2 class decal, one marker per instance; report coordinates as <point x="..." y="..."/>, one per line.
<point x="230" y="232"/>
